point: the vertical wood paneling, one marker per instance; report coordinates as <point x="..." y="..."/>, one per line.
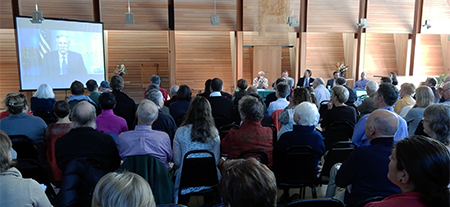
<point x="332" y="16"/>
<point x="9" y="73"/>
<point x="248" y="64"/>
<point x="323" y="51"/>
<point x="380" y="58"/>
<point x="439" y="13"/>
<point x="401" y="53"/>
<point x="79" y="10"/>
<point x="445" y="43"/>
<point x="202" y="56"/>
<point x="387" y="16"/>
<point x="429" y="58"/>
<point x="149" y="48"/>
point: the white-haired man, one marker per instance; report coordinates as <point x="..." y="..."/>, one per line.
<point x="165" y="121"/>
<point x="144" y="140"/>
<point x="306" y="117"/>
<point x="366" y="107"/>
<point x="321" y="92"/>
<point x="83" y="141"/>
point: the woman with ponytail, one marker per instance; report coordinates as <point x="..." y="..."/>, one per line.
<point x="420" y="167"/>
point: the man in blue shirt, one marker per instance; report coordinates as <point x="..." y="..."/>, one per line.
<point x="385" y="98"/>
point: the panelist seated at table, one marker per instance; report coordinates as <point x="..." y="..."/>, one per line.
<point x="260" y="82"/>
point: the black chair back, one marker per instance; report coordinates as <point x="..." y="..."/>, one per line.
<point x="259" y="155"/>
<point x="338" y="131"/>
<point x="46" y="116"/>
<point x="25" y="147"/>
<point x="190" y="175"/>
<point x="338" y="153"/>
<point x="322" y="202"/>
<point x="274" y="132"/>
<point x="323" y="108"/>
<point x="220" y="119"/>
<point x="419" y="130"/>
<point x="223" y="130"/>
<point x="301" y="158"/>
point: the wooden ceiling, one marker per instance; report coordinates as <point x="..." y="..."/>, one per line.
<point x="384" y="16"/>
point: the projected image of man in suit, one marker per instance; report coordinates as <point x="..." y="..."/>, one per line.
<point x="62" y="62"/>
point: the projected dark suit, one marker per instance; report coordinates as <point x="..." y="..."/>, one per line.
<point x="52" y="68"/>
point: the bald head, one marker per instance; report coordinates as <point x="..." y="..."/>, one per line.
<point x="381" y="123"/>
<point x="147" y="112"/>
<point x="84" y="115"/>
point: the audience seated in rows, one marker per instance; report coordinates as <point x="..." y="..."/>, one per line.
<point x="125" y="106"/>
<point x="5" y="113"/>
<point x="77" y="90"/>
<point x="424" y="98"/>
<point x="436" y="123"/>
<point x="92" y="87"/>
<point x="164" y="122"/>
<point x="364" y="172"/>
<point x="153" y="87"/>
<point x="221" y="106"/>
<point x="107" y="121"/>
<point x="445" y="94"/>
<point x="104" y="87"/>
<point x="322" y="93"/>
<point x="366" y="107"/>
<point x="251" y="135"/>
<point x="242" y="85"/>
<point x="385" y="98"/>
<point x="248" y="183"/>
<point x="271" y="97"/>
<point x="15" y="190"/>
<point x="53" y="132"/>
<point x="143" y="140"/>
<point x="406" y="92"/>
<point x="337" y="110"/>
<point x="196" y="132"/>
<point x="19" y="122"/>
<point x="432" y="82"/>
<point x="123" y="189"/>
<point x="286" y="117"/>
<point x="306" y="117"/>
<point x="180" y="107"/>
<point x="419" y="166"/>
<point x="43" y="99"/>
<point x="281" y="93"/>
<point x="173" y="95"/>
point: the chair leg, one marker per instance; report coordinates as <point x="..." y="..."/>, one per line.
<point x="313" y="191"/>
<point x="286" y="194"/>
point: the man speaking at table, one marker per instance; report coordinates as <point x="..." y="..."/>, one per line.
<point x="260" y="82"/>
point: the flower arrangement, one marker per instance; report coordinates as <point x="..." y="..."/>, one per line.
<point x="341" y="67"/>
<point x="120" y="69"/>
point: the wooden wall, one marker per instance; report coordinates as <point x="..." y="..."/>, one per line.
<point x="380" y="55"/>
<point x="430" y="60"/>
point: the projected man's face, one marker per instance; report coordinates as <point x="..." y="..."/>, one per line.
<point x="63" y="44"/>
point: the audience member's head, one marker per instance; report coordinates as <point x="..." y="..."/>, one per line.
<point x="184" y="93"/>
<point x="387" y="95"/>
<point x="208" y="86"/>
<point x="147" y="112"/>
<point x="313" y="96"/>
<point x="300" y="95"/>
<point x="242" y="84"/>
<point x="200" y="116"/>
<point x="280" y="80"/>
<point x="249" y="184"/>
<point x="424" y="96"/>
<point x="173" y="90"/>
<point x="341" y="81"/>
<point x="77" y="88"/>
<point x="436" y="122"/>
<point x="371" y="87"/>
<point x="83" y="115"/>
<point x="385" y="80"/>
<point x="5" y="152"/>
<point x="318" y="81"/>
<point x="393" y="77"/>
<point x="306" y="114"/>
<point x="16" y="103"/>
<point x="107" y="101"/>
<point x="104" y="86"/>
<point x="122" y="189"/>
<point x="431" y="82"/>
<point x="283" y="90"/>
<point x="156" y="80"/>
<point x="446" y="91"/>
<point x="44" y="91"/>
<point x="156" y="96"/>
<point x="420" y="164"/>
<point x="61" y="109"/>
<point x="407" y="89"/>
<point x="117" y="83"/>
<point x="216" y="84"/>
<point x="252" y="89"/>
<point x="341" y="94"/>
<point x="307" y="73"/>
<point x="381" y="123"/>
<point x="92" y="85"/>
<point x="250" y="109"/>
<point x="151" y="87"/>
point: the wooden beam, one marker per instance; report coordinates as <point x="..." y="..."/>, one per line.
<point x="172" y="58"/>
<point x="301" y="36"/>
<point x="239" y="45"/>
<point x="240" y="15"/>
<point x="97" y="10"/>
<point x="361" y="39"/>
<point x="171" y="15"/>
<point x="417" y="29"/>
<point x="15" y="8"/>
